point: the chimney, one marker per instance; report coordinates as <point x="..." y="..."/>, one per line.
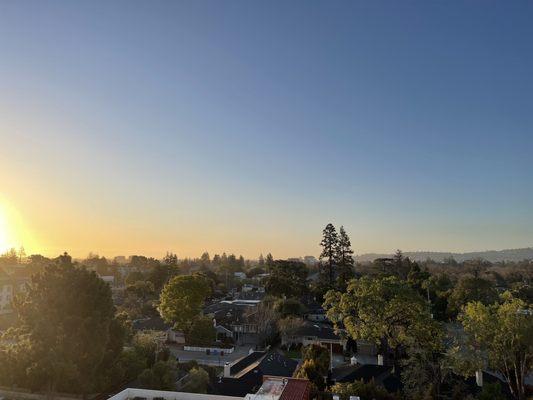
<point x="227" y="370"/>
<point x="353" y="360"/>
<point x="479" y="378"/>
<point x="380" y="359"/>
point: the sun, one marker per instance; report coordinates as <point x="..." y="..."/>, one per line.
<point x="4" y="239"/>
<point x="14" y="232"/>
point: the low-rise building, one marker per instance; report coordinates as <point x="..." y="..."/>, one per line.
<point x="316" y="333"/>
<point x="10" y="286"/>
<point x="271" y="388"/>
<point x="234" y="316"/>
<point x="246" y="374"/>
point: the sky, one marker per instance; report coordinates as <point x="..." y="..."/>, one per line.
<point x="140" y="127"/>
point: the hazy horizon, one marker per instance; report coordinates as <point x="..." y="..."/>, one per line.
<point x="137" y="128"/>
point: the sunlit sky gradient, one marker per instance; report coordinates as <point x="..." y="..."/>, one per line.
<point x="132" y="127"/>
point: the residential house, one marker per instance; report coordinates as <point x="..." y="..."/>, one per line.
<point x="381" y="375"/>
<point x="316" y="333"/>
<point x="233" y="319"/>
<point x="239" y="275"/>
<point x="314" y="311"/>
<point x="10" y="286"/>
<point x="247" y="374"/>
<point x="156" y="324"/>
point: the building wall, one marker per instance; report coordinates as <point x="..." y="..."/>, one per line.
<point x="8" y="289"/>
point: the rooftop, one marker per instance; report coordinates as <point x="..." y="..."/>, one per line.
<point x="282" y="389"/>
<point x="247" y="374"/>
<point x="130" y="394"/>
<point x="272" y="388"/>
<point x="317" y="330"/>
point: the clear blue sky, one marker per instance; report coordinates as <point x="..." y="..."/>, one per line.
<point x="245" y="126"/>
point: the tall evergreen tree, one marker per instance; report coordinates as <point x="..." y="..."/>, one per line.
<point x="329" y="245"/>
<point x="205" y="261"/>
<point x="269" y="262"/>
<point x="345" y="263"/>
<point x="344" y="248"/>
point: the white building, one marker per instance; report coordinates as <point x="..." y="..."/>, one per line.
<point x="273" y="388"/>
<point x="9" y="287"/>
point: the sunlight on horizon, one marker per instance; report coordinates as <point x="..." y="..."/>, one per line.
<point x="4" y="244"/>
<point x="13" y="233"/>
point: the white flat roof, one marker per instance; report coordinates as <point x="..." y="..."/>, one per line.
<point x="130" y="393"/>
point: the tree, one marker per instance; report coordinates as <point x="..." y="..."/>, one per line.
<point x="423" y="373"/>
<point x="269" y="261"/>
<point x="310" y="371"/>
<point x="416" y="277"/>
<point x="261" y="261"/>
<point x="290" y="307"/>
<point x="145" y="344"/>
<point x="138" y="300"/>
<point x="366" y="391"/>
<point x="329" y="245"/>
<point x="58" y="318"/>
<point x="133" y="363"/>
<point x="503" y="333"/>
<point x="289" y="326"/>
<point x="401" y="264"/>
<point x="205" y="261"/>
<point x="196" y="381"/>
<point x="182" y="299"/>
<point x="439" y="287"/>
<point x="170" y="259"/>
<point x="344" y="248"/>
<point x="471" y="289"/>
<point x="202" y="331"/>
<point x="315" y="366"/>
<point x="266" y="318"/>
<point x="384" y="311"/>
<point x="162" y="376"/>
<point x="160" y="274"/>
<point x="64" y="260"/>
<point x="344" y="260"/>
<point x="287" y="278"/>
<point x="320" y="355"/>
<point x="135" y="276"/>
<point x="491" y="391"/>
<point x="10" y="257"/>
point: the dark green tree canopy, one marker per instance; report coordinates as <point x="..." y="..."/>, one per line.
<point x="66" y="330"/>
<point x="287" y="278"/>
<point x="329" y="245"/>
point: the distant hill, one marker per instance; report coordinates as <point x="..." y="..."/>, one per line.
<point x="489" y="255"/>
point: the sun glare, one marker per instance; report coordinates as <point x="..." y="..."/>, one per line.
<point x="4" y="241"/>
<point x="13" y="232"/>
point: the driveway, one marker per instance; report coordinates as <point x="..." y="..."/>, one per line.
<point x="203" y="359"/>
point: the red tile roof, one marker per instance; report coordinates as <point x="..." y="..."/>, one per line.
<point x="296" y="389"/>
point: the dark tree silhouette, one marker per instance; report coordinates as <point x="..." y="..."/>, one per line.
<point x="329" y="245"/>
